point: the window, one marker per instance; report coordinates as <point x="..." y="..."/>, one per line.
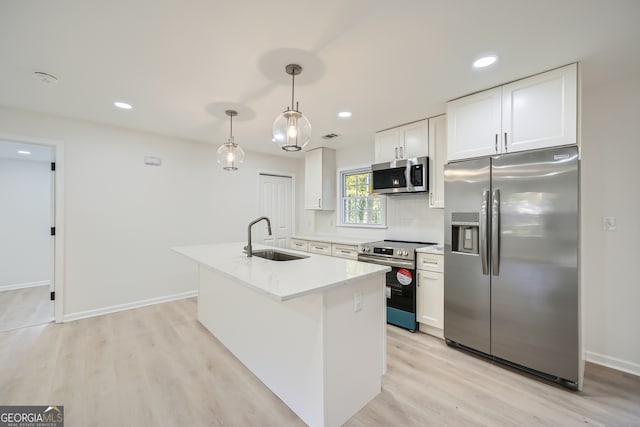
<point x="358" y="206"/>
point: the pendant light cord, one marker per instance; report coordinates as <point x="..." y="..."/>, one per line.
<point x="230" y="128"/>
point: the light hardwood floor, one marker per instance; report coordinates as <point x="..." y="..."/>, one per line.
<point x="158" y="366"/>
<point x="24" y="307"/>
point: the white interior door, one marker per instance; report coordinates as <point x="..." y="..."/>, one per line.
<point x="276" y="204"/>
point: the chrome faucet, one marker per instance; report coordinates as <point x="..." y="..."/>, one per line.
<point x="248" y="247"/>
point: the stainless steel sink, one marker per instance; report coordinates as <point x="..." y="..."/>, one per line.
<point x="274" y="255"/>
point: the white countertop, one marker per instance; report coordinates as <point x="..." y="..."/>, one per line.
<point x="327" y="238"/>
<point x="281" y="280"/>
<point x="433" y="249"/>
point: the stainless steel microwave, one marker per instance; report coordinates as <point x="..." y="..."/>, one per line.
<point x="401" y="176"/>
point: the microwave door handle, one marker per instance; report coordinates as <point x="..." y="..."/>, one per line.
<point x="495" y="233"/>
<point x="484" y="230"/>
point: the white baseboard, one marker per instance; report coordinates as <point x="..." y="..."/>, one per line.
<point x="431" y="330"/>
<point x="23" y="285"/>
<point x="612" y="362"/>
<point x="128" y="306"/>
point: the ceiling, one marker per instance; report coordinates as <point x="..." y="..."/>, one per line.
<point x="182" y="64"/>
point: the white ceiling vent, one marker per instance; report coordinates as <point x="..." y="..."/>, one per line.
<point x="330" y="136"/>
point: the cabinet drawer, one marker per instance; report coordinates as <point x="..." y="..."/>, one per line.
<point x="430" y="262"/>
<point x="299" y="245"/>
<point x="344" y="251"/>
<point x="322" y="248"/>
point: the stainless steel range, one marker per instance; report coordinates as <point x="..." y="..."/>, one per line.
<point x="401" y="280"/>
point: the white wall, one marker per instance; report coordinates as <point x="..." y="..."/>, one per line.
<point x="121" y="216"/>
<point x="25" y="218"/>
<point x="610" y="180"/>
<point x="408" y="216"/>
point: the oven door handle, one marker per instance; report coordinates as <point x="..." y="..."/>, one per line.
<point x="391" y="263"/>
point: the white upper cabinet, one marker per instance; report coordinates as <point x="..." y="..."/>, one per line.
<point x="437" y="160"/>
<point x="536" y="112"/>
<point x="386" y="145"/>
<point x="402" y="142"/>
<point x="473" y="125"/>
<point x="415" y="137"/>
<point x="540" y="111"/>
<point x="320" y="179"/>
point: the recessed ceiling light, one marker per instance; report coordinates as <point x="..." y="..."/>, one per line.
<point x="123" y="105"/>
<point x="26" y="153"/>
<point x="344" y="114"/>
<point x="484" y="61"/>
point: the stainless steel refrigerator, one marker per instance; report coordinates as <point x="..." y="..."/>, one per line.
<point x="511" y="260"/>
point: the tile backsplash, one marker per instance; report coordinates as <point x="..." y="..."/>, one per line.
<point x="408" y="218"/>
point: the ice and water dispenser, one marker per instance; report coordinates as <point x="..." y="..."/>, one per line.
<point x="465" y="228"/>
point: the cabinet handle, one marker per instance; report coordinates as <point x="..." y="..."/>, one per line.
<point x="320" y="203"/>
<point x="345" y="252"/>
<point x="402" y="152"/>
<point x="505" y="142"/>
<point x="496" y="144"/>
<point x="396" y="150"/>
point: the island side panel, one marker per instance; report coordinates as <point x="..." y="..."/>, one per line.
<point x="280" y="342"/>
<point x="355" y="346"/>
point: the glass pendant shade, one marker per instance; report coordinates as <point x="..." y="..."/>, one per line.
<point x="230" y="154"/>
<point x="291" y="130"/>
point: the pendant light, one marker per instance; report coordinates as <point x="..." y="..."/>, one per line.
<point x="291" y="129"/>
<point x="230" y="154"/>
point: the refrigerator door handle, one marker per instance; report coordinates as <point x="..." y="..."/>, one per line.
<point x="484" y="229"/>
<point x="495" y="233"/>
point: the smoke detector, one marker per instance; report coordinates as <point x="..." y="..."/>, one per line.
<point x="46" y="77"/>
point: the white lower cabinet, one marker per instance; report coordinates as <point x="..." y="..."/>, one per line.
<point x="430" y="294"/>
<point x="299" y="245"/>
<point x="322" y="248"/>
<point x="344" y="251"/>
<point x="339" y="250"/>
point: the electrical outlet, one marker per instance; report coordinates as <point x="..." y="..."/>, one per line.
<point x="357" y="302"/>
<point x="609" y="223"/>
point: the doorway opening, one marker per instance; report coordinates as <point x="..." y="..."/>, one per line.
<point x="27" y="234"/>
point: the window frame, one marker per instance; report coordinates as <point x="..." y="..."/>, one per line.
<point x="342" y="173"/>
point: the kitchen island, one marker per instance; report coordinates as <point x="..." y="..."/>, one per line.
<point x="313" y="330"/>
